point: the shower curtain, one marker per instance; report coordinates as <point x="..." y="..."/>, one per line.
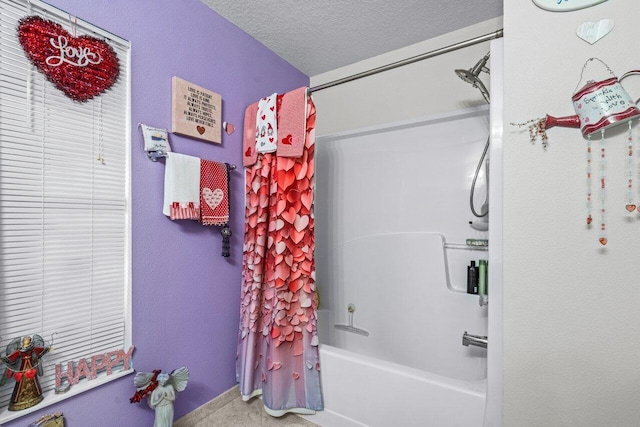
<point x="277" y="342"/>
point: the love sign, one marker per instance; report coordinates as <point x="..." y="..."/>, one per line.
<point x="82" y="67"/>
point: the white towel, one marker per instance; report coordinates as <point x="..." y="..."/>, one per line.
<point x="182" y="187"/>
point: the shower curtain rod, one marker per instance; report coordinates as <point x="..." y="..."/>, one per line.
<point x="490" y="36"/>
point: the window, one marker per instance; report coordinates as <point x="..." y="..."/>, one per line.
<point x="65" y="262"/>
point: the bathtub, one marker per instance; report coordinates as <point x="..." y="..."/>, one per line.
<point x="391" y="222"/>
<point x="365" y="391"/>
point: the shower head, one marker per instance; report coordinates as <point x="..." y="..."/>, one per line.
<point x="471" y="75"/>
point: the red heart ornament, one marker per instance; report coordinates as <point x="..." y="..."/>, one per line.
<point x="229" y="127"/>
<point x="81" y="67"/>
<point x="17" y="376"/>
<point x="30" y="373"/>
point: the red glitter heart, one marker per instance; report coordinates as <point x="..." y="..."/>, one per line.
<point x="81" y="67"/>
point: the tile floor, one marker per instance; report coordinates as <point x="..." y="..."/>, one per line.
<point x="229" y="410"/>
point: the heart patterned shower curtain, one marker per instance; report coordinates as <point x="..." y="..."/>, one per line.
<point x="277" y="343"/>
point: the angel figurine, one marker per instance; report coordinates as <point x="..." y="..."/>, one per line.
<point x="22" y="362"/>
<point x="162" y="389"/>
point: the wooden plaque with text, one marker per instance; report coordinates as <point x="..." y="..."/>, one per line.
<point x="196" y="111"/>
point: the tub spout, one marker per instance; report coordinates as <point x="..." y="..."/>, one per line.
<point x="477" y="340"/>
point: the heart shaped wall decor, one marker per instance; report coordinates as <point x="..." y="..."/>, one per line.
<point x="81" y="67"/>
<point x="591" y="32"/>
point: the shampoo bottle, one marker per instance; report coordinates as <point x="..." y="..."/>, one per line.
<point x="482" y="277"/>
<point x="472" y="278"/>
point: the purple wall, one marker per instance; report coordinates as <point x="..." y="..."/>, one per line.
<point x="185" y="295"/>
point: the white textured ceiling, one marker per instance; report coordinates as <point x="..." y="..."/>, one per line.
<point x="318" y="36"/>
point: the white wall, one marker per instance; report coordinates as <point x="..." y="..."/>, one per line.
<point x="417" y="90"/>
<point x="571" y="307"/>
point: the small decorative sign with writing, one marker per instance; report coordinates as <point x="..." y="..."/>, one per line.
<point x="89" y="368"/>
<point x="566" y="5"/>
<point x="196" y="112"/>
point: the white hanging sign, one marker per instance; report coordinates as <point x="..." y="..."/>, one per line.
<point x="566" y="5"/>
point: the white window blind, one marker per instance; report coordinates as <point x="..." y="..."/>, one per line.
<point x="64" y="215"/>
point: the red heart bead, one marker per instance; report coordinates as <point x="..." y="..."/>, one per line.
<point x="17" y="376"/>
<point x="30" y="373"/>
<point x="81" y="67"/>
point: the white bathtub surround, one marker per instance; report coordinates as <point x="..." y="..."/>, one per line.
<point x="392" y="214"/>
<point x="398" y="284"/>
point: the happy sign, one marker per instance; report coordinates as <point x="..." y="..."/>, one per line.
<point x="89" y="368"/>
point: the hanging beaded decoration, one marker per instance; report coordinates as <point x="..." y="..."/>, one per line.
<point x="603" y="192"/>
<point x="589" y="217"/>
<point x="537" y="129"/>
<point x="638" y="186"/>
<point x="630" y="166"/>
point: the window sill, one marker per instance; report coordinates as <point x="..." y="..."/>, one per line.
<point x="51" y="397"/>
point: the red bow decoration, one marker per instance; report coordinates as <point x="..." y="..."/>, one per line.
<point x="140" y="394"/>
<point x="81" y="67"/>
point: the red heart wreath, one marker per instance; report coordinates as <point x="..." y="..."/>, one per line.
<point x="81" y="67"/>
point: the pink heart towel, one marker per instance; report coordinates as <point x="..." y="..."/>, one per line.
<point x="249" y="153"/>
<point x="214" y="193"/>
<point x="292" y="123"/>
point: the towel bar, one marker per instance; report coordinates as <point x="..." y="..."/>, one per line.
<point x="155" y="155"/>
